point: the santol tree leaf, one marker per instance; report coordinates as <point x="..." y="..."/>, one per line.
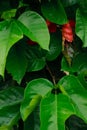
<point x="71" y="86"/>
<point x="34" y="26"/>
<point x="33" y="93"/>
<point x="10" y="100"/>
<point x="36" y="58"/>
<point x="55" y="47"/>
<point x="83" y="6"/>
<point x="17" y="61"/>
<point x="82" y="75"/>
<point x="67" y="3"/>
<point x="81" y="26"/>
<point x="10" y="33"/>
<point x="55" y="109"/>
<point x="54" y="11"/>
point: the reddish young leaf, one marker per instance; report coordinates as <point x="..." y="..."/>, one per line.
<point x="72" y="23"/>
<point x="67" y="31"/>
<point x="48" y="22"/>
<point x="30" y="42"/>
<point x="51" y="26"/>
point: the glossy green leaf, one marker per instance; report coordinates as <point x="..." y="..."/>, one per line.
<point x="29" y="123"/>
<point x="4" y="128"/>
<point x="54" y="11"/>
<point x="55" y="47"/>
<point x="82" y="75"/>
<point x="11" y="96"/>
<point x="34" y="27"/>
<point x="9" y="116"/>
<point x="33" y="121"/>
<point x="55" y="109"/>
<point x="10" y="100"/>
<point x="10" y="33"/>
<point x="79" y="60"/>
<point x="17" y="62"/>
<point x="65" y="66"/>
<point x="8" y="14"/>
<point x="36" y="58"/>
<point x="67" y="3"/>
<point x="36" y="64"/>
<point x="83" y="6"/>
<point x="71" y="86"/>
<point x="75" y="123"/>
<point x="81" y="26"/>
<point x="34" y="91"/>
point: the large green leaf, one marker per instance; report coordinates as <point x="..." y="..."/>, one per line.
<point x="55" y="109"/>
<point x="82" y="75"/>
<point x="17" y="62"/>
<point x="74" y="89"/>
<point x="36" y="58"/>
<point x="65" y="66"/>
<point x="9" y="117"/>
<point x="78" y="60"/>
<point x="81" y="26"/>
<point x="54" y="11"/>
<point x="8" y="14"/>
<point x="83" y="6"/>
<point x="33" y="92"/>
<point x="10" y="33"/>
<point x="11" y="96"/>
<point x="33" y="121"/>
<point x="67" y="3"/>
<point x="10" y="100"/>
<point x="55" y="46"/>
<point x="34" y="27"/>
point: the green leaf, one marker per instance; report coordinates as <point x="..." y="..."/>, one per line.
<point x="65" y="66"/>
<point x="82" y="75"/>
<point x="11" y="96"/>
<point x="8" y="14"/>
<point x="36" y="64"/>
<point x="81" y="27"/>
<point x="33" y="121"/>
<point x="9" y="116"/>
<point x="4" y="128"/>
<point x="17" y="62"/>
<point x="33" y="92"/>
<point x="10" y="100"/>
<point x="67" y="3"/>
<point x="34" y="27"/>
<point x="54" y="11"/>
<point x="55" y="46"/>
<point x="71" y="86"/>
<point x="79" y="60"/>
<point x="83" y="6"/>
<point x="55" y="109"/>
<point x="36" y="58"/>
<point x="10" y="33"/>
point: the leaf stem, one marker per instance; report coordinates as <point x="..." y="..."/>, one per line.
<point x="62" y="90"/>
<point x="51" y="74"/>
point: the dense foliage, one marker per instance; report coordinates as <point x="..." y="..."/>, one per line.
<point x="43" y="65"/>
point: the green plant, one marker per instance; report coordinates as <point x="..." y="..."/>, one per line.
<point x="43" y="65"/>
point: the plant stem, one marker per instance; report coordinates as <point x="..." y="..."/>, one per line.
<point x="51" y="74"/>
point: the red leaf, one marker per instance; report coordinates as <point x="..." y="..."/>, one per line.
<point x="72" y="23"/>
<point x="67" y="31"/>
<point x="51" y="26"/>
<point x="30" y="42"/>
